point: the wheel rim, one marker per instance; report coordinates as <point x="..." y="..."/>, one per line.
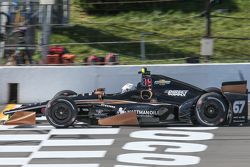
<point x="211" y="111"/>
<point x="61" y="113"/>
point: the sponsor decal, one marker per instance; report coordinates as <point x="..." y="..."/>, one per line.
<point x="147" y="82"/>
<point x="121" y="110"/>
<point x="99" y="111"/>
<point x="238" y="106"/>
<point x="108" y="106"/>
<point x="162" y="82"/>
<point x="241" y="119"/>
<point x="144" y="112"/>
<point x="138" y="112"/>
<point x="181" y="93"/>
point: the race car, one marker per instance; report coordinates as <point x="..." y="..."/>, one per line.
<point x="156" y="100"/>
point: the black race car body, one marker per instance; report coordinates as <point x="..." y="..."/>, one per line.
<point x="157" y="100"/>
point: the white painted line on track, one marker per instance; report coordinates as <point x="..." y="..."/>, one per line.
<point x="43" y="118"/>
<point x="69" y="154"/>
<point x="128" y="166"/>
<point x="193" y="128"/>
<point x="152" y="159"/>
<point x="18" y="137"/>
<point x="171" y="135"/>
<point x="47" y="136"/>
<point x="7" y="127"/>
<point x="62" y="165"/>
<point x="45" y="126"/>
<point x="17" y="148"/>
<point x="15" y="127"/>
<point x="91" y="131"/>
<point x="12" y="161"/>
<point x="79" y="142"/>
<point x="44" y="138"/>
<point x="178" y="146"/>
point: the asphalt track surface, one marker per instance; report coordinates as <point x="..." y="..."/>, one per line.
<point x="44" y="146"/>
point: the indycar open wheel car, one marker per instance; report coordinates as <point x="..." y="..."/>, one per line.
<point x="156" y="100"/>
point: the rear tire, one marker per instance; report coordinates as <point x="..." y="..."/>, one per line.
<point x="211" y="109"/>
<point x="213" y="89"/>
<point x="61" y="112"/>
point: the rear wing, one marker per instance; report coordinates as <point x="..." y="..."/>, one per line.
<point x="237" y="94"/>
<point x="235" y="87"/>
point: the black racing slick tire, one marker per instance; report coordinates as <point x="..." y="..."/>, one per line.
<point x="61" y="112"/>
<point x="213" y="89"/>
<point x="211" y="110"/>
<point x="65" y="93"/>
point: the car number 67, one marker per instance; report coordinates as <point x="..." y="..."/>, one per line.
<point x="238" y="106"/>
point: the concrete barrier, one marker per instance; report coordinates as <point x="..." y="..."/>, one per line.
<point x="40" y="83"/>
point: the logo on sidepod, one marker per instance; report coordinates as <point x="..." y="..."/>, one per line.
<point x="138" y="112"/>
<point x="181" y="93"/>
<point x="108" y="106"/>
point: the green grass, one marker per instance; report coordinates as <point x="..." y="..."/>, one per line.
<point x="175" y="31"/>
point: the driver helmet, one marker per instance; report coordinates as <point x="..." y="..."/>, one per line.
<point x="128" y="87"/>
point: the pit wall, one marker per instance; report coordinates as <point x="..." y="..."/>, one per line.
<point x="40" y="83"/>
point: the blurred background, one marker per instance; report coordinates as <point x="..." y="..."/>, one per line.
<point x="99" y="32"/>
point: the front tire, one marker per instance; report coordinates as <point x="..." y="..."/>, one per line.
<point x="61" y="112"/>
<point x="211" y="109"/>
<point x="65" y="93"/>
